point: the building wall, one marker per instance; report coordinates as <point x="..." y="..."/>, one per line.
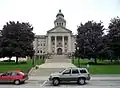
<point x="42" y="45"/>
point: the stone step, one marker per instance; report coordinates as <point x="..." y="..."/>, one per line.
<point x="58" y="58"/>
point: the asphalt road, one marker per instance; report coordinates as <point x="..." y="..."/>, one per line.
<point x="44" y="84"/>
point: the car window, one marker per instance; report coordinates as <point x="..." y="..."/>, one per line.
<point x="83" y="71"/>
<point x="67" y="71"/>
<point x="6" y="74"/>
<point x="14" y="74"/>
<point x="75" y="71"/>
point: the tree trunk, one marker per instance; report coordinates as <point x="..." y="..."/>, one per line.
<point x="16" y="60"/>
<point x="95" y="59"/>
<point x="33" y="62"/>
<point x="79" y="62"/>
<point x="9" y="59"/>
<point x="111" y="60"/>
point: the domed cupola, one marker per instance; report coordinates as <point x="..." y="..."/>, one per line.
<point x="60" y="21"/>
<point x="59" y="14"/>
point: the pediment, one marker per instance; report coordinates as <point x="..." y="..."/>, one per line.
<point x="59" y="30"/>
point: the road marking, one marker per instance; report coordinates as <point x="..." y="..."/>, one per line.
<point x="44" y="83"/>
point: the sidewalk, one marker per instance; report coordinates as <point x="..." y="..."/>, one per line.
<point x="102" y="78"/>
<point x="56" y="65"/>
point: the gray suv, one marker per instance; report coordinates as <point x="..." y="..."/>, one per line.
<point x="80" y="75"/>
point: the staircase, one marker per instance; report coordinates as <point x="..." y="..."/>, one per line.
<point x="55" y="64"/>
<point x="59" y="59"/>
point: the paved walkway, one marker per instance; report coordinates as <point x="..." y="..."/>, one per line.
<point x="55" y="64"/>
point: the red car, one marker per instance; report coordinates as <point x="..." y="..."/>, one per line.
<point x="15" y="77"/>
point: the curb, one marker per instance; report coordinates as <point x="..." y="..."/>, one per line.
<point x="92" y="78"/>
<point x="30" y="71"/>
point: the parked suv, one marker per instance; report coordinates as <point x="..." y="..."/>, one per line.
<point x="80" y="75"/>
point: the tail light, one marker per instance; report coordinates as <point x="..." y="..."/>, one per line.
<point x="23" y="77"/>
<point x="88" y="75"/>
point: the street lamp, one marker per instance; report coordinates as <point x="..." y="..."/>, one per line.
<point x="78" y="57"/>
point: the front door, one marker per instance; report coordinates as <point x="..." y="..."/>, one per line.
<point x="59" y="51"/>
<point x="66" y="75"/>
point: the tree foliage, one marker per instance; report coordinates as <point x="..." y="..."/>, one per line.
<point x="16" y="40"/>
<point x="89" y="39"/>
<point x="114" y="37"/>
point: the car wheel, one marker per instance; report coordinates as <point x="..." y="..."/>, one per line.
<point x="56" y="82"/>
<point x="81" y="81"/>
<point x="17" y="82"/>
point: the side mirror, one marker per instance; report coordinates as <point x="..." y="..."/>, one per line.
<point x="63" y="73"/>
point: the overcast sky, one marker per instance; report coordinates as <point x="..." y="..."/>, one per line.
<point x="42" y="13"/>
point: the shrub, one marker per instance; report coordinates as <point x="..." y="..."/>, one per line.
<point x="23" y="62"/>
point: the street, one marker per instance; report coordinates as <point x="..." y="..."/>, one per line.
<point x="104" y="82"/>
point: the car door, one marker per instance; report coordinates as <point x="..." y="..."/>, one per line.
<point x="14" y="76"/>
<point x="5" y="77"/>
<point x="75" y="74"/>
<point x="66" y="75"/>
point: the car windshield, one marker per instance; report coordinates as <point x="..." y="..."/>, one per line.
<point x="61" y="70"/>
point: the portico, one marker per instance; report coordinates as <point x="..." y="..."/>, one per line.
<point x="58" y="44"/>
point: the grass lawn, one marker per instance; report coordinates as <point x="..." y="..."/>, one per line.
<point x="25" y="67"/>
<point x="99" y="69"/>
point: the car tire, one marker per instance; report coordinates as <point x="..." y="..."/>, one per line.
<point x="81" y="81"/>
<point x="17" y="82"/>
<point x="56" y="81"/>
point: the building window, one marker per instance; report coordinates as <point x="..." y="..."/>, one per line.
<point x="38" y="44"/>
<point x="44" y="44"/>
<point x="38" y="51"/>
<point x="57" y="24"/>
<point x="62" y="24"/>
<point x="65" y="43"/>
<point x="65" y="50"/>
<point x="53" y="43"/>
<point x="41" y="51"/>
<point x="41" y="44"/>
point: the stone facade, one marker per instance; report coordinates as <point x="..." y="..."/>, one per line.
<point x="59" y="40"/>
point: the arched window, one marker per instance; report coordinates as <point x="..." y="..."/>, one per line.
<point x="59" y="24"/>
<point x="38" y="51"/>
<point x="41" y="51"/>
<point x="62" y="24"/>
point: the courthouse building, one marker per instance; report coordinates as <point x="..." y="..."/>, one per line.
<point x="57" y="41"/>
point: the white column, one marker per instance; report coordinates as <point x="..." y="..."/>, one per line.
<point x="55" y="45"/>
<point x="69" y="44"/>
<point x="49" y="44"/>
<point x="63" y="44"/>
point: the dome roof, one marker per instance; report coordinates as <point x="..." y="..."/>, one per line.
<point x="59" y="13"/>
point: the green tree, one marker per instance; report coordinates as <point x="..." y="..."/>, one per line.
<point x="89" y="39"/>
<point x="114" y="37"/>
<point x="17" y="39"/>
